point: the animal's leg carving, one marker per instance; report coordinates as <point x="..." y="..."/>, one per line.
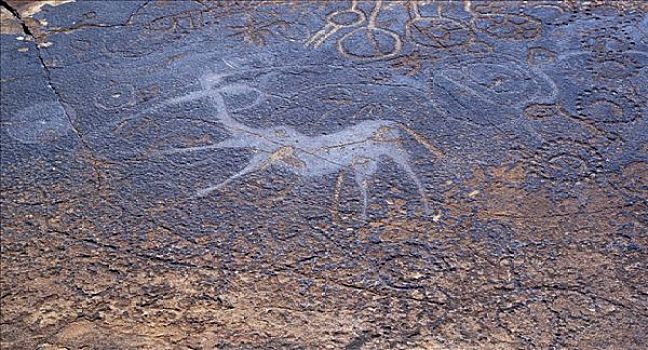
<point x="336" y="196"/>
<point x="364" y="167"/>
<point x="401" y="158"/>
<point x="258" y="162"/>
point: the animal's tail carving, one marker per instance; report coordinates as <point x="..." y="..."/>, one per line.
<point x="423" y="141"/>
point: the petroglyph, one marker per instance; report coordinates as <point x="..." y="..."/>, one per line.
<point x="536" y="230"/>
<point x="38" y="124"/>
<point x="116" y="96"/>
<point x="336" y="21"/>
<point x="605" y="106"/>
<point x="537" y="56"/>
<point x="508" y="26"/>
<point x="437" y="32"/>
<point x="385" y="43"/>
<point x="497" y="79"/>
<point x="358" y="148"/>
<point x="375" y="42"/>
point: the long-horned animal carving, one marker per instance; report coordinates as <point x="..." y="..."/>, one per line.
<point x="358" y="148"/>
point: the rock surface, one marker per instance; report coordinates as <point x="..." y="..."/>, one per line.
<point x="324" y="175"/>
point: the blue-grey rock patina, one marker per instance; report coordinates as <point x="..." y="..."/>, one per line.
<point x="345" y="174"/>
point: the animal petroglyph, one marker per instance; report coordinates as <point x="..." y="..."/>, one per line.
<point x="358" y="148"/>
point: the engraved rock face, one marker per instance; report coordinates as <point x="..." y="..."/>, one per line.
<point x="357" y="148"/>
<point x="323" y="175"/>
<point x="496" y="79"/>
<point x="40" y="123"/>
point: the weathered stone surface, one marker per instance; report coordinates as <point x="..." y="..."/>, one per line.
<point x="324" y="175"/>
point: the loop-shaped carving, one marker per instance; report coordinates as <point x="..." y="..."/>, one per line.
<point x="437" y="32"/>
<point x="496" y="79"/>
<point x="39" y="124"/>
<point x="508" y="26"/>
<point x="382" y="44"/>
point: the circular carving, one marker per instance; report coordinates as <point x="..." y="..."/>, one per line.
<point x="370" y="44"/>
<point x="607" y="106"/>
<point x="542" y="111"/>
<point x="537" y="56"/>
<point x="496" y="79"/>
<point x="564" y="159"/>
<point x="550" y="13"/>
<point x="606" y="40"/>
<point x="116" y="96"/>
<point x="437" y="32"/>
<point x="39" y="124"/>
<point x="508" y="26"/>
<point x="347" y="18"/>
<point x="616" y="66"/>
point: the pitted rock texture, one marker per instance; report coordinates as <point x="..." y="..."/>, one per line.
<point x="324" y="175"/>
